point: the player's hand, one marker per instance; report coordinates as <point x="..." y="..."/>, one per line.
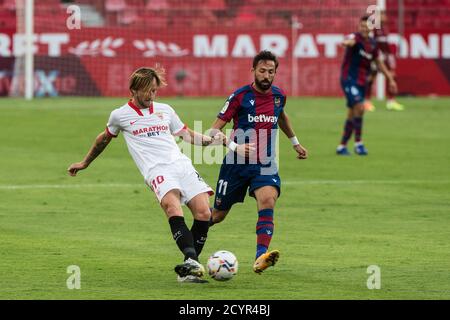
<point x="393" y="86"/>
<point x="245" y="150"/>
<point x="75" y="167"/>
<point x="302" y="153"/>
<point x="219" y="138"/>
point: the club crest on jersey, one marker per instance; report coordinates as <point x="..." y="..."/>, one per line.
<point x="160" y="115"/>
<point x="277" y="101"/>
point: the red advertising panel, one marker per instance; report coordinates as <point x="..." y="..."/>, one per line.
<point x="98" y="61"/>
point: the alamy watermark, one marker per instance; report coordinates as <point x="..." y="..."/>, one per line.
<point x="374" y="280"/>
<point x="265" y="141"/>
<point x="374" y="14"/>
<point x="74" y="20"/>
<point x="74" y="280"/>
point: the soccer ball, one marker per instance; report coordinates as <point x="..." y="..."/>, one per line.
<point x="222" y="265"/>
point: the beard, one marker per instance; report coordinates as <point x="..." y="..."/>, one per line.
<point x="143" y="103"/>
<point x="263" y="85"/>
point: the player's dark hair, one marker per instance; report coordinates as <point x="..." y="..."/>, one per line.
<point x="265" y="55"/>
<point x="142" y="78"/>
<point x="365" y="18"/>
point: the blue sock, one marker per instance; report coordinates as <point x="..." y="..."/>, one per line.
<point x="264" y="231"/>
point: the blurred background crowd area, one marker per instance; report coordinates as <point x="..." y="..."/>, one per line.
<point x="311" y="14"/>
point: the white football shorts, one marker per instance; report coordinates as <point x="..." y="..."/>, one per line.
<point x="180" y="175"/>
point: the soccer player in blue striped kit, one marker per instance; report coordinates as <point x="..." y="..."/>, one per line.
<point x="361" y="50"/>
<point x="257" y="110"/>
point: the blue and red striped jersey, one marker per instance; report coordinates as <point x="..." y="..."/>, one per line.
<point x="357" y="59"/>
<point x="255" y="117"/>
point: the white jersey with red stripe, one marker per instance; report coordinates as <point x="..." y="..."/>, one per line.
<point x="148" y="134"/>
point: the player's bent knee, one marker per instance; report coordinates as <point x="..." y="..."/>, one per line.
<point x="267" y="203"/>
<point x="171" y="208"/>
<point x="358" y="109"/>
<point x="172" y="211"/>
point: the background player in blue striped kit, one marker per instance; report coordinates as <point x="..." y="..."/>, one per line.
<point x="257" y="110"/>
<point x="361" y="50"/>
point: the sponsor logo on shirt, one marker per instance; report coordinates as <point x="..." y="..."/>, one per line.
<point x="151" y="131"/>
<point x="262" y="118"/>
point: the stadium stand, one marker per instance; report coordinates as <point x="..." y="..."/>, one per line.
<point x="419" y="14"/>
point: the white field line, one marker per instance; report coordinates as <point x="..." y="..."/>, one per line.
<point x="288" y="182"/>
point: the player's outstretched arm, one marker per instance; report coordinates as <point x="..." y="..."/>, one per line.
<point x="196" y="138"/>
<point x="348" y="42"/>
<point x="285" y="126"/>
<point x="244" y="150"/>
<point x="389" y="76"/>
<point x="100" y="143"/>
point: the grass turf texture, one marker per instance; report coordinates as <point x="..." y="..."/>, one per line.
<point x="336" y="215"/>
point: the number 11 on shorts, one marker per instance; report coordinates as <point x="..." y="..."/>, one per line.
<point x="222" y="184"/>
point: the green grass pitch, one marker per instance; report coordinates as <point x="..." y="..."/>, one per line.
<point x="336" y="216"/>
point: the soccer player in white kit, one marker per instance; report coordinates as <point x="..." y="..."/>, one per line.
<point x="148" y="128"/>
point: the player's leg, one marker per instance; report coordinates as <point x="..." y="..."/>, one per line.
<point x="165" y="184"/>
<point x="354" y="94"/>
<point x="346" y="135"/>
<point x="368" y="105"/>
<point x="266" y="198"/>
<point x="171" y="204"/>
<point x="199" y="206"/>
<point x="358" y="113"/>
<point x="391" y="103"/>
<point x="194" y="193"/>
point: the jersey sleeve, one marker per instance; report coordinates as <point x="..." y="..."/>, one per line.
<point x="113" y="126"/>
<point x="176" y="125"/>
<point x="229" y="109"/>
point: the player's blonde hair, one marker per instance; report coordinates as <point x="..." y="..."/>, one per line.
<point x="142" y="78"/>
